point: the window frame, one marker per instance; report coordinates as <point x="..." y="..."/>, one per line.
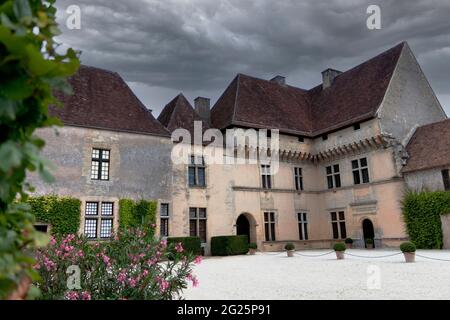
<point x="197" y="220"/>
<point x="333" y="176"/>
<point x="358" y="171"/>
<point x="99" y="216"/>
<point x="100" y="160"/>
<point x="164" y="218"/>
<point x="270" y="232"/>
<point x="196" y="167"/>
<point x="446" y="179"/>
<point x="302" y="220"/>
<point x="266" y="176"/>
<point x="298" y="178"/>
<point x="338" y="221"/>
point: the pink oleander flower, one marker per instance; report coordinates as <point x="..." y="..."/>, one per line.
<point x="163" y="243"/>
<point x="163" y="285"/>
<point x="72" y="295"/>
<point x="49" y="264"/>
<point x="122" y="277"/>
<point x="193" y="279"/>
<point x="144" y="273"/>
<point x="85" y="295"/>
<point x="179" y="247"/>
<point x="198" y="260"/>
<point x="132" y="282"/>
<point x="52" y="241"/>
<point x="152" y="261"/>
<point x="153" y="225"/>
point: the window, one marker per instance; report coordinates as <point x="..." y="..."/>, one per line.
<point x="98" y="220"/>
<point x="446" y="179"/>
<point x="164" y="222"/>
<point x="301" y="139"/>
<point x="41" y="227"/>
<point x="269" y="226"/>
<point x="269" y="134"/>
<point x="356" y="126"/>
<point x="302" y="226"/>
<point x="196" y="172"/>
<point x="333" y="176"/>
<point x="197" y="223"/>
<point x="100" y="164"/>
<point x="298" y="178"/>
<point x="325" y="137"/>
<point x="338" y="225"/>
<point x="266" y="177"/>
<point x="360" y="171"/>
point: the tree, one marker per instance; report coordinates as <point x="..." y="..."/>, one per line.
<point x="30" y="70"/>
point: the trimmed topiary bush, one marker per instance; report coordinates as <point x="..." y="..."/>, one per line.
<point x="421" y="213"/>
<point x="408" y="247"/>
<point x="289" y="246"/>
<point x="253" y="246"/>
<point x="62" y="213"/>
<point x="191" y="245"/>
<point x="369" y="241"/>
<point x="340" y="246"/>
<point x="229" y="245"/>
<point x="349" y="240"/>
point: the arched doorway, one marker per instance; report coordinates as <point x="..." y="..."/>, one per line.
<point x="368" y="231"/>
<point x="243" y="226"/>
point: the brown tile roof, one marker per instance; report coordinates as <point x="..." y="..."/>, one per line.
<point x="101" y="99"/>
<point x="179" y="113"/>
<point x="355" y="95"/>
<point x="429" y="147"/>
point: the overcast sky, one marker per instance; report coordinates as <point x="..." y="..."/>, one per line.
<point x="163" y="47"/>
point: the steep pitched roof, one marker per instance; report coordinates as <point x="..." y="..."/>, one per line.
<point x="355" y="95"/>
<point x="179" y="113"/>
<point x="429" y="147"/>
<point x="101" y="99"/>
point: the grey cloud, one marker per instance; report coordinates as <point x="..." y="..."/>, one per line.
<point x="163" y="47"/>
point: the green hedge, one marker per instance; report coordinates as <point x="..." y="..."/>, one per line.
<point x="62" y="213"/>
<point x="229" y="245"/>
<point x="190" y="244"/>
<point x="421" y="213"/>
<point x="134" y="213"/>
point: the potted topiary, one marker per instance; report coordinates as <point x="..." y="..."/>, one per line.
<point x="348" y="243"/>
<point x="339" y="248"/>
<point x="290" y="248"/>
<point x="409" y="251"/>
<point x="369" y="243"/>
<point x="252" y="248"/>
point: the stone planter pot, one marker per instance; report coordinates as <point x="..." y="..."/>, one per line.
<point x="349" y="245"/>
<point x="340" y="255"/>
<point x="290" y="253"/>
<point x="251" y="251"/>
<point x="409" y="257"/>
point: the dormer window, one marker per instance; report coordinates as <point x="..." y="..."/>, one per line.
<point x="356" y="126"/>
<point x="324" y="137"/>
<point x="301" y="139"/>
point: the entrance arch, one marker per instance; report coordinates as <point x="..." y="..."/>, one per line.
<point x="246" y="225"/>
<point x="368" y="231"/>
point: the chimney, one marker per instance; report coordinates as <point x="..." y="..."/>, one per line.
<point x="202" y="108"/>
<point x="279" y="79"/>
<point x="328" y="76"/>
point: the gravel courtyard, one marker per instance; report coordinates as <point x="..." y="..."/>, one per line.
<point x="274" y="276"/>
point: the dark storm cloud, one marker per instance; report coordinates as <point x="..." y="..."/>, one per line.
<point x="166" y="46"/>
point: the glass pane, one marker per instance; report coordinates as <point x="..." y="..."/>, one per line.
<point x="330" y="182"/>
<point x="105" y="154"/>
<point x="191" y="159"/>
<point x="266" y="216"/>
<point x="201" y="176"/>
<point x="336" y="168"/>
<point x="272" y="231"/>
<point x="105" y="171"/>
<point x="202" y="230"/>
<point x="192" y="212"/>
<point x="272" y="216"/>
<point x="164" y="210"/>
<point x="191" y="176"/>
<point x="335" y="230"/>
<point x="269" y="182"/>
<point x="365" y="175"/>
<point x="354" y="164"/>
<point x="328" y="170"/>
<point x="95" y="153"/>
<point x="107" y="208"/>
<point x="304" y="217"/>
<point x="300" y="231"/>
<point x="164" y="230"/>
<point x="94" y="169"/>
<point x="337" y="180"/>
<point x="106" y="228"/>
<point x="193" y="228"/>
<point x="202" y="212"/>
<point x="343" y="230"/>
<point x="333" y="216"/>
<point x="356" y="178"/>
<point x="363" y="162"/>
<point x="301" y="183"/>
<point x="90" y="228"/>
<point x="297" y="183"/>
<point x="266" y="231"/>
<point x="91" y="208"/>
<point x="306" y="231"/>
<point x="341" y="215"/>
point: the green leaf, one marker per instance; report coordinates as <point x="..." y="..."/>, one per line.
<point x="18" y="89"/>
<point x="7" y="109"/>
<point x="10" y="155"/>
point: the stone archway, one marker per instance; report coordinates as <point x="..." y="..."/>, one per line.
<point x="246" y="225"/>
<point x="368" y="230"/>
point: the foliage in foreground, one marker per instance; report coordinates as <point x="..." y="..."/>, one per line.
<point x="30" y="69"/>
<point x="133" y="265"/>
<point x="421" y="213"/>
